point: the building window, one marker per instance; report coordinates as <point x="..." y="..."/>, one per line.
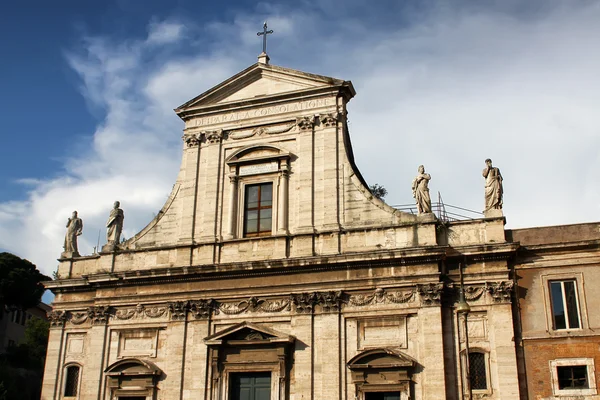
<point x="565" y="305"/>
<point x="250" y="386"/>
<point x="72" y="381"/>
<point x="573" y="377"/>
<point x="258" y="210"/>
<point x="477" y="371"/>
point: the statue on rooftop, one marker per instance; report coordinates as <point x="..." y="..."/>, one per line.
<point x="114" y="225"/>
<point x="74" y="229"/>
<point x="420" y="188"/>
<point x="493" y="187"/>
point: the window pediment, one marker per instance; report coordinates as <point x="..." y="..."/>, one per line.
<point x="133" y="366"/>
<point x="257" y="153"/>
<point x="381" y="358"/>
<point x="248" y="333"/>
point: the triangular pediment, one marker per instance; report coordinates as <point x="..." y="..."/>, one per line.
<point x="260" y="81"/>
<point x="248" y="332"/>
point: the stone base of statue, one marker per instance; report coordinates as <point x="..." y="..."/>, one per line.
<point x="426" y="217"/>
<point x="69" y="254"/>
<point x="493" y="213"/>
<point x="109" y="247"/>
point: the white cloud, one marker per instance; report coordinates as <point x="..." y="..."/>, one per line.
<point x="453" y="87"/>
<point x="164" y="32"/>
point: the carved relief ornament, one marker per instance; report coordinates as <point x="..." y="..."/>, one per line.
<point x="57" y="318"/>
<point x="431" y="293"/>
<point x="213" y="136"/>
<point x="98" y="314"/>
<point x="178" y="310"/>
<point x="380" y="295"/>
<point x="260" y="131"/>
<point x="192" y="139"/>
<point x="305" y="123"/>
<point x="254" y="304"/>
<point x="501" y="291"/>
<point x="329" y="120"/>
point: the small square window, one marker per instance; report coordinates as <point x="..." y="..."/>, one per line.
<point x="565" y="305"/>
<point x="572" y="377"/>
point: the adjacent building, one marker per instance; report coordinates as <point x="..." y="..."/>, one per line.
<point x="273" y="273"/>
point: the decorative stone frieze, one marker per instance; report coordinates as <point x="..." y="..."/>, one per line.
<point x="98" y="314"/>
<point x="192" y="140"/>
<point x="57" y="319"/>
<point x="501" y="291"/>
<point x="329" y="120"/>
<point x="178" y="310"/>
<point x="473" y="293"/>
<point x="78" y="317"/>
<point x="213" y="137"/>
<point x="380" y="295"/>
<point x="260" y="131"/>
<point x="201" y="309"/>
<point x="254" y="304"/>
<point x="305" y="123"/>
<point x="431" y="293"/>
<point x="140" y="311"/>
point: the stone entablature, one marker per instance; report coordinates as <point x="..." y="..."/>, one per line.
<point x="316" y="302"/>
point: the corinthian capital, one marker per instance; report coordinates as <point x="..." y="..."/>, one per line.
<point x="305" y="123"/>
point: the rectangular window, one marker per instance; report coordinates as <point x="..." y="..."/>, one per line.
<point x="572" y="377"/>
<point x="250" y="386"/>
<point x="565" y="306"/>
<point x="477" y="371"/>
<point x="72" y="381"/>
<point x="258" y="206"/>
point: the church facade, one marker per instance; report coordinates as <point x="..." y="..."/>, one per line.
<point x="272" y="272"/>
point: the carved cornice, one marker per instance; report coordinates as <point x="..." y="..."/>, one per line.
<point x="305" y="123"/>
<point x="380" y="295"/>
<point x="329" y="120"/>
<point x="57" y="319"/>
<point x="501" y="292"/>
<point x="431" y="293"/>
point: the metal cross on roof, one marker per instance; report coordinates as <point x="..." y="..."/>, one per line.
<point x="264" y="34"/>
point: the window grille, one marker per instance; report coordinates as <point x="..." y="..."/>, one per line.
<point x="72" y="381"/>
<point x="477" y="371"/>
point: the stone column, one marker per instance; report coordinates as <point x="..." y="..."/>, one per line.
<point x="233" y="189"/>
<point x="283" y="198"/>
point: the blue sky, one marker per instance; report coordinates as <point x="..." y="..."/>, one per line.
<point x="88" y="89"/>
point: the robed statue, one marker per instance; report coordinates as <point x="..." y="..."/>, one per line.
<point x="493" y="187"/>
<point x="74" y="229"/>
<point x="420" y="189"/>
<point x="114" y="226"/>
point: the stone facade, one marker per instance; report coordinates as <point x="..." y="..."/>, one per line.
<point x="335" y="295"/>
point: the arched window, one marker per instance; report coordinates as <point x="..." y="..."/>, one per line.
<point x="72" y="373"/>
<point x="477" y="371"/>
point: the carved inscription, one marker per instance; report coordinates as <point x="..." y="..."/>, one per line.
<point x="258" y="168"/>
<point x="265" y="111"/>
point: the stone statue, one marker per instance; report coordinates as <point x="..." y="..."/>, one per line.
<point x="493" y="187"/>
<point x="74" y="229"/>
<point x="114" y="225"/>
<point x="421" y="191"/>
